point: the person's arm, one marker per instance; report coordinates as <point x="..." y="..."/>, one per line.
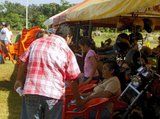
<point x="111" y="88"/>
<point x="72" y="74"/>
<point x="75" y="91"/>
<point x="94" y="62"/>
<point x="102" y="94"/>
<point x="19" y="79"/>
<point x="74" y="87"/>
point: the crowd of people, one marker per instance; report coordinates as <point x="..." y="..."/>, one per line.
<point x="49" y="66"/>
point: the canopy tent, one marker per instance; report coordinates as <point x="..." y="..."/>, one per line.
<point x="102" y="9"/>
<point x="105" y="12"/>
<point x="57" y="17"/>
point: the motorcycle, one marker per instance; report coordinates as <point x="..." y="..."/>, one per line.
<point x="141" y="95"/>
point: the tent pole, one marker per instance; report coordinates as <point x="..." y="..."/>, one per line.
<point x="77" y="32"/>
<point x="90" y="29"/>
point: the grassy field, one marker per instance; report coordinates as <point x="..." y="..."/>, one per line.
<point x="151" y="40"/>
<point x="10" y="101"/>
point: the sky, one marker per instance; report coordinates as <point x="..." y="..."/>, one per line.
<point x="37" y="2"/>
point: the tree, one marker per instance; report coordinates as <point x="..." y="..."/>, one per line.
<point x="16" y="13"/>
<point x="15" y="20"/>
<point x="64" y="5"/>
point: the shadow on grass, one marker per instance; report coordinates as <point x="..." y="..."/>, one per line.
<point x="14" y="100"/>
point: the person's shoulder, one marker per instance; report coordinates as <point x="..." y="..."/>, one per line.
<point x="115" y="78"/>
<point x="91" y="53"/>
<point x="57" y="38"/>
<point x="60" y="42"/>
<point x="37" y="41"/>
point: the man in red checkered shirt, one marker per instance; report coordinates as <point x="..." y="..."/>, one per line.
<point x="50" y="63"/>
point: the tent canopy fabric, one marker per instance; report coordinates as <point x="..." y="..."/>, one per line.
<point x="56" y="18"/>
<point x="96" y="10"/>
<point x="108" y="8"/>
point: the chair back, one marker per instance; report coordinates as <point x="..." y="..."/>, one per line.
<point x="94" y="104"/>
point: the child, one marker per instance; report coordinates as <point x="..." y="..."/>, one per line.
<point x="90" y="61"/>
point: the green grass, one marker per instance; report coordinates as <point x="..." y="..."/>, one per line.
<point x="103" y="37"/>
<point x="152" y="38"/>
<point x="10" y="101"/>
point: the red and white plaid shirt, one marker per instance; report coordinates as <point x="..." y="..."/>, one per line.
<point x="50" y="63"/>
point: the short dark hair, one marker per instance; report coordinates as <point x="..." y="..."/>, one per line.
<point x="64" y="30"/>
<point x="123" y="36"/>
<point x="112" y="65"/>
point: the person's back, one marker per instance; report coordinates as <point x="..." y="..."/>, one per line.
<point x="47" y="60"/>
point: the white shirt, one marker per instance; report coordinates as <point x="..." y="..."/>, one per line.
<point x="6" y="35"/>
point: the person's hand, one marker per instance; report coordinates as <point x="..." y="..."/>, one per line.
<point x="17" y="84"/>
<point x="80" y="103"/>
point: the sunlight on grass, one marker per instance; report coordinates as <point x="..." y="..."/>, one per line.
<point x="151" y="40"/>
<point x="103" y="37"/>
<point x="6" y="70"/>
<point x="4" y="104"/>
<point x="10" y="102"/>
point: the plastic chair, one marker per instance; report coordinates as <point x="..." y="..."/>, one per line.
<point x="86" y="88"/>
<point x="82" y="88"/>
<point x="93" y="82"/>
<point x="117" y="104"/>
<point x="94" y="104"/>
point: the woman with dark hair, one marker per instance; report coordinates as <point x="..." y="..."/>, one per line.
<point x="90" y="61"/>
<point x="108" y="88"/>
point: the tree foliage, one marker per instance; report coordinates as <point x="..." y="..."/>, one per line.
<point x="37" y="14"/>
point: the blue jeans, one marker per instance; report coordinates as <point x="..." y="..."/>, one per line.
<point x="23" y="111"/>
<point x="40" y="107"/>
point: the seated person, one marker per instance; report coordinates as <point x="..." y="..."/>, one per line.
<point x="90" y="61"/>
<point x="109" y="87"/>
<point x="105" y="46"/>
